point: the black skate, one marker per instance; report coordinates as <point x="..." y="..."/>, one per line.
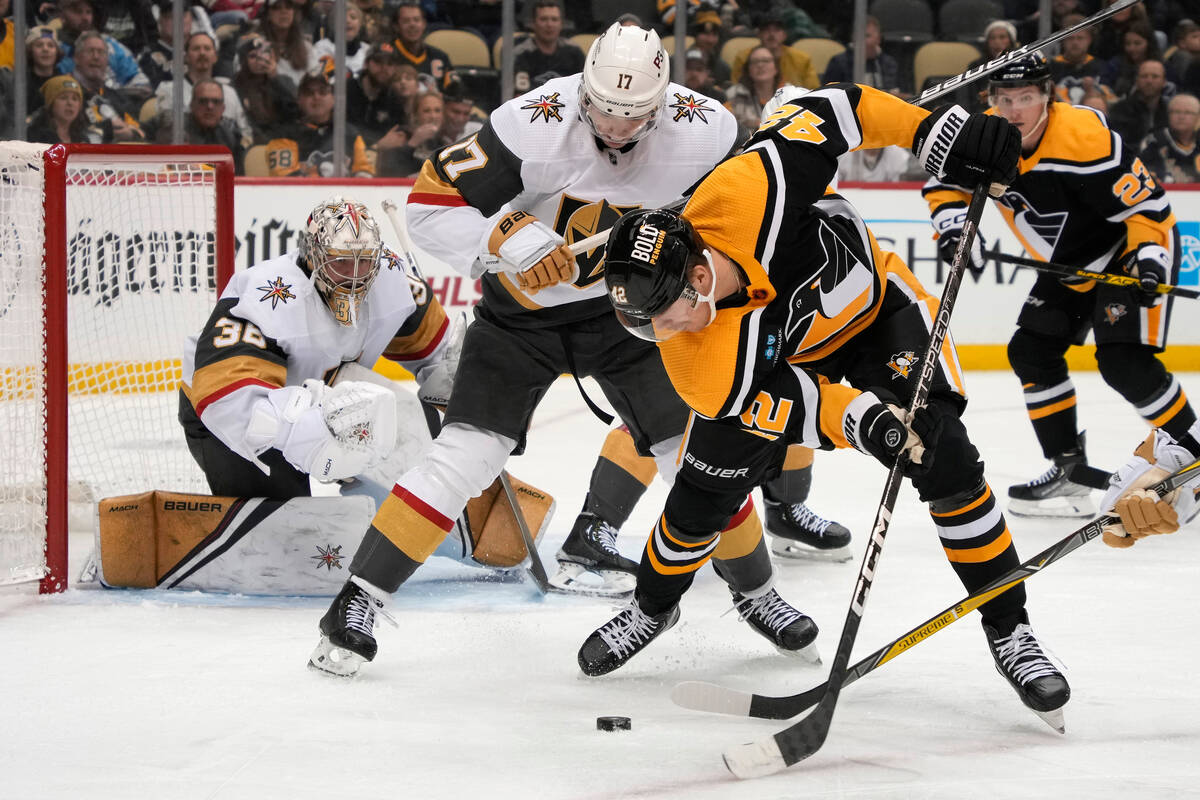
<point x="1039" y="684"/>
<point x="798" y="532"/>
<point x="792" y="632"/>
<point x="623" y="637"/>
<point x="590" y="564"/>
<point x="348" y="631"/>
<point x="1064" y="490"/>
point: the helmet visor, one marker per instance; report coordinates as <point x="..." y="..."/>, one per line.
<point x="616" y="131"/>
<point x="678" y="317"/>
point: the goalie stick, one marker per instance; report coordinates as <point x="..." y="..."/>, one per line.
<point x="1128" y="281"/>
<point x="701" y="696"/>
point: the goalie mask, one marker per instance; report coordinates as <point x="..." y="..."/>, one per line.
<point x="624" y="84"/>
<point x="341" y="247"/>
<point x="647" y="261"/>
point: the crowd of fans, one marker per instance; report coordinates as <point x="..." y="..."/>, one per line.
<point x="260" y="72"/>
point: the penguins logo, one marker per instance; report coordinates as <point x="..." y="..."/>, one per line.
<point x="1113" y="312"/>
<point x="578" y="219"/>
<point x="902" y="364"/>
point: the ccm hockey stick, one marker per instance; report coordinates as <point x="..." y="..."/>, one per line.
<point x="1109" y="278"/>
<point x="801" y="740"/>
<point x="702" y="696"/>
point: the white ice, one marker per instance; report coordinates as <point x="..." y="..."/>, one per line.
<point x="125" y="694"/>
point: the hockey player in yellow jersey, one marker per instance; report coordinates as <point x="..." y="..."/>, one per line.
<point x="1082" y="198"/>
<point x="764" y="294"/>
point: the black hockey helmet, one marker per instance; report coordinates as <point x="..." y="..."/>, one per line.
<point x="646" y="261"/>
<point x="1032" y="70"/>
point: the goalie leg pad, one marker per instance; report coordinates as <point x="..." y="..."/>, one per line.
<point x="495" y="535"/>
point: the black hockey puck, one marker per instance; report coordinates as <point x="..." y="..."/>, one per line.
<point x="613" y="724"/>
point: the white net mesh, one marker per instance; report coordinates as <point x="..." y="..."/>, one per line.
<point x="141" y="277"/>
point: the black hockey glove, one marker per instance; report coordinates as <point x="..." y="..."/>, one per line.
<point x="967" y="149"/>
<point x="1150" y="264"/>
<point x="882" y="433"/>
<point x="948" y="245"/>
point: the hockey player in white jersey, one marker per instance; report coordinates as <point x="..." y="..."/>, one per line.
<point x="551" y="167"/>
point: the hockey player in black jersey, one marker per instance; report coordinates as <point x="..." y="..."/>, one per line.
<point x="1081" y="198"/>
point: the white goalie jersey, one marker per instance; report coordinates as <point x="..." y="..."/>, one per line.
<point x="535" y="154"/>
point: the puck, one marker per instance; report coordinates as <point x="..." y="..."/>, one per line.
<point x="613" y="724"/>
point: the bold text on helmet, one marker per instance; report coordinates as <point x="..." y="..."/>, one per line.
<point x="648" y="243"/>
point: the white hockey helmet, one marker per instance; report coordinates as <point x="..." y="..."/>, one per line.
<point x="625" y="81"/>
<point x="342" y="246"/>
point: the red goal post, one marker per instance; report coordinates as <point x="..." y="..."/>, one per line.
<point x="109" y="257"/>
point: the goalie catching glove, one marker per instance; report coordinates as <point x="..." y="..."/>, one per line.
<point x="967" y="149"/>
<point x="523" y="244"/>
<point x="1143" y="513"/>
<point x="885" y="430"/>
<point x="329" y="433"/>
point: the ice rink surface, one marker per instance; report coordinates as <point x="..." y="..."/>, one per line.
<point x="125" y="694"/>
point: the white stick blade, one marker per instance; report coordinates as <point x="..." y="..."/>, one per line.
<point x="754" y="759"/>
<point x="703" y="696"/>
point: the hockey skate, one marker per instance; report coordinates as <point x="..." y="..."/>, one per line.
<point x="623" y="637"/>
<point x="799" y="532"/>
<point x="1020" y="659"/>
<point x="1064" y="490"/>
<point x="348" y="630"/>
<point x="792" y="632"/>
<point x="590" y="564"/>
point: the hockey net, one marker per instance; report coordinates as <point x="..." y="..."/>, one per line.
<point x="109" y="258"/>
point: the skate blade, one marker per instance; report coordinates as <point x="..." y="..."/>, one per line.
<point x="1054" y="719"/>
<point x="1056" y="507"/>
<point x="786" y="548"/>
<point x="808" y="654"/>
<point x="333" y="660"/>
<point x="577" y="579"/>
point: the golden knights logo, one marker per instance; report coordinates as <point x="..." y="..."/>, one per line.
<point x="578" y="219"/>
<point x="328" y="557"/>
<point x="902" y="364"/>
<point x="277" y="292"/>
<point x="691" y="108"/>
<point x="545" y="108"/>
<point x="1113" y="312"/>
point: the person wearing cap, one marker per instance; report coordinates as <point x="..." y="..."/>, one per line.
<point x="794" y="65"/>
<point x="545" y="54"/>
<point x="305" y="147"/>
<point x="371" y="103"/>
<point x="707" y="31"/>
<point x="697" y="76"/>
<point x="42" y="55"/>
<point x="269" y="99"/>
<point x="410" y="23"/>
<point x="199" y="58"/>
<point x="356" y="45"/>
<point x="79" y="17"/>
<point x="61" y="119"/>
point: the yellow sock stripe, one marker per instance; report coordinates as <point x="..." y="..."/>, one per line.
<point x="1054" y="408"/>
<point x="987" y="493"/>
<point x="741" y="536"/>
<point x="414" y="527"/>
<point x="663" y="569"/>
<point x="1162" y="418"/>
<point x="977" y="555"/>
<point x="618" y="448"/>
<point x="798" y="457"/>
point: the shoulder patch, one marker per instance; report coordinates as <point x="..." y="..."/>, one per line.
<point x="546" y="107"/>
<point x="277" y="292"/>
<point x="691" y="107"/>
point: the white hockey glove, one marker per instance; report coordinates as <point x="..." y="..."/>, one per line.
<point x="523" y="244"/>
<point x="1142" y="512"/>
<point x="436" y="381"/>
<point x="948" y="223"/>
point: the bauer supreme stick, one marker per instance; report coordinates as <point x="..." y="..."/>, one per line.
<point x="1128" y="281"/>
<point x="701" y="696"/>
<point x="771" y="754"/>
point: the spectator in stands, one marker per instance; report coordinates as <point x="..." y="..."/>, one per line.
<point x="107" y="106"/>
<point x="42" y="55"/>
<point x="371" y="102"/>
<point x="708" y="31"/>
<point x="794" y="66"/>
<point x="408" y="87"/>
<point x="376" y="26"/>
<point x="406" y="161"/>
<point x="998" y="36"/>
<point x="409" y="22"/>
<point x="269" y="99"/>
<point x="457" y="121"/>
<point x="233" y="12"/>
<point x="697" y="77"/>
<point x="882" y="71"/>
<point x="1026" y="15"/>
<point x="305" y="147"/>
<point x="1145" y="109"/>
<point x="282" y="26"/>
<point x="1173" y="153"/>
<point x="61" y="120"/>
<point x="1094" y="98"/>
<point x="757" y="85"/>
<point x="130" y="22"/>
<point x="157" y="60"/>
<point x="1187" y="48"/>
<point x="1075" y="71"/>
<point x="878" y="165"/>
<point x="7" y="33"/>
<point x="1120" y="72"/>
<point x="199" y="57"/>
<point x="123" y="73"/>
<point x="1110" y="39"/>
<point x="356" y="45"/>
<point x="206" y="123"/>
<point x="545" y="54"/>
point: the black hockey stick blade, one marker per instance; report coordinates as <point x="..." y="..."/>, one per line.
<point x="710" y="697"/>
<point x="1112" y="279"/>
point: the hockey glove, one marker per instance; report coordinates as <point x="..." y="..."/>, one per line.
<point x="948" y="222"/>
<point x="435" y="381"/>
<point x="1150" y="264"/>
<point x="880" y="429"/>
<point x="521" y="243"/>
<point x="967" y="149"/>
<point x="1142" y="512"/>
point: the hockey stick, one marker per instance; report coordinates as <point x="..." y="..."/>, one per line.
<point x="771" y="754"/>
<point x="537" y="570"/>
<point x="983" y="70"/>
<point x="1127" y="281"/>
<point x="702" y="696"/>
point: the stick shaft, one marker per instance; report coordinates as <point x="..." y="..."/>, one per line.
<point x="1101" y="277"/>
